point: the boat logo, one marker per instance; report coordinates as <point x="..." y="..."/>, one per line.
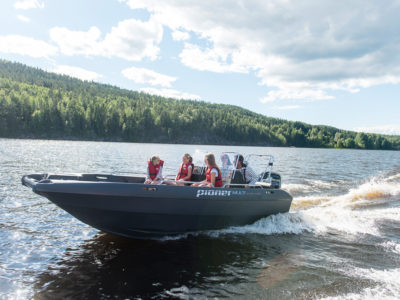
<point x="212" y="193"/>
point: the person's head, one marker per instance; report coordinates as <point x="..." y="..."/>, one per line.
<point x="187" y="158"/>
<point x="239" y="160"/>
<point x="155" y="160"/>
<point x="225" y="160"/>
<point x="209" y="159"/>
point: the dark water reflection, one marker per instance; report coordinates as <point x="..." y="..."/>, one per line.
<point x="114" y="267"/>
<point x="201" y="267"/>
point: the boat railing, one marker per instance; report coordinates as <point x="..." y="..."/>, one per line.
<point x="266" y="174"/>
<point x="257" y="184"/>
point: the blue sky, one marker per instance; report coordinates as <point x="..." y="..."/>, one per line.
<point x="335" y="63"/>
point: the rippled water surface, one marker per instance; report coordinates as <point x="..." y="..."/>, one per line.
<point x="340" y="240"/>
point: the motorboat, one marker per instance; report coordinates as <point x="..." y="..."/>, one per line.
<point x="124" y="205"/>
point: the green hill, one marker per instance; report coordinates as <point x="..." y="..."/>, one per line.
<point x="39" y="104"/>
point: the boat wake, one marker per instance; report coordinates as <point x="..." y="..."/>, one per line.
<point x="387" y="285"/>
<point x="359" y="211"/>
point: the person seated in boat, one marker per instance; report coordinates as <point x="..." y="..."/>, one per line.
<point x="248" y="176"/>
<point x="213" y="173"/>
<point x="185" y="170"/>
<point x="154" y="170"/>
<point x="226" y="167"/>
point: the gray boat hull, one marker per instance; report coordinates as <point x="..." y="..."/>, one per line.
<point x="136" y="210"/>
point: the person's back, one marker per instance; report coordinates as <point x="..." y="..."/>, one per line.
<point x="243" y="174"/>
<point x="237" y="177"/>
<point x="249" y="175"/>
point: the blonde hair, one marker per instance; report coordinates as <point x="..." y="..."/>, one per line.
<point x="188" y="156"/>
<point x="211" y="161"/>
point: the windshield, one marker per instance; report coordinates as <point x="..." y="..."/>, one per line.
<point x="255" y="165"/>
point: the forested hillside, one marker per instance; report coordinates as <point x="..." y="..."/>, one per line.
<point x="39" y="104"/>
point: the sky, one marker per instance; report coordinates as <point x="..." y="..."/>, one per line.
<point x="333" y="63"/>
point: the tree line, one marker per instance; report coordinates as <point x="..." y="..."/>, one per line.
<point x="39" y="104"/>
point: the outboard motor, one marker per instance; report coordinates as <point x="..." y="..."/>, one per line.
<point x="275" y="179"/>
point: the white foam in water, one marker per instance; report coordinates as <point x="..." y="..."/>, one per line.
<point x="376" y="293"/>
<point x="374" y="189"/>
<point x="276" y="224"/>
<point x="295" y="187"/>
<point x="387" y="283"/>
<point x="391" y="246"/>
<point x="340" y="213"/>
<point x="321" y="214"/>
<point x="288" y="223"/>
<point x="348" y="220"/>
<point x="388" y="280"/>
<point x="179" y="292"/>
<point x="299" y="203"/>
<point x="393" y="177"/>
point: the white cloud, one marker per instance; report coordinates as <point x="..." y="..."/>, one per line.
<point x="178" y="35"/>
<point x="170" y="93"/>
<point x="144" y="76"/>
<point x="382" y="129"/>
<point x="28" y="4"/>
<point x="23" y="18"/>
<point x="134" y="40"/>
<point x="131" y="40"/>
<point x="77" y="42"/>
<point x="23" y="45"/>
<point x="76" y="72"/>
<point x="290" y="91"/>
<point x="301" y="49"/>
<point x="287" y="107"/>
<point x="207" y="60"/>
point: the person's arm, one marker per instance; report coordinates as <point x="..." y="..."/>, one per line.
<point x="212" y="183"/>
<point x="214" y="174"/>
<point x="147" y="180"/>
<point x="159" y="174"/>
<point x="189" y="175"/>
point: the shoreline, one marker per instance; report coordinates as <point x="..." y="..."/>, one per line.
<point x="120" y="140"/>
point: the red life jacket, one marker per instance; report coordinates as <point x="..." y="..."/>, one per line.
<point x="218" y="179"/>
<point x="183" y="170"/>
<point x="153" y="169"/>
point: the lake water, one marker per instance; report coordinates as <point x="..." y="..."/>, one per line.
<point x="340" y="240"/>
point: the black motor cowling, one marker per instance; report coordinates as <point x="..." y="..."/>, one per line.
<point x="275" y="179"/>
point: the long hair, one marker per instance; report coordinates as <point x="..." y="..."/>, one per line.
<point x="226" y="158"/>
<point x="240" y="158"/>
<point x="211" y="161"/>
<point x="188" y="156"/>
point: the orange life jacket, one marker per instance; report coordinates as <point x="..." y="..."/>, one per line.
<point x="153" y="169"/>
<point x="184" y="170"/>
<point x="218" y="179"/>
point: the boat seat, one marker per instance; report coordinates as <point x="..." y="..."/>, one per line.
<point x="198" y="174"/>
<point x="198" y="177"/>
